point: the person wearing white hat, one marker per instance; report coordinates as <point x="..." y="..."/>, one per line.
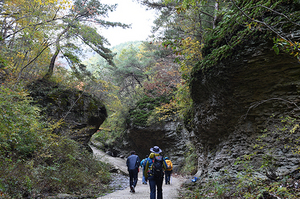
<point x="154" y="172"/>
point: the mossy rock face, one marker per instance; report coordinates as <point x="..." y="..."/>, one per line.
<point x="235" y="98"/>
<point x="139" y="115"/>
<point x="82" y="114"/>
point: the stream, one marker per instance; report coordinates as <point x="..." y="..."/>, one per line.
<point x="119" y="182"/>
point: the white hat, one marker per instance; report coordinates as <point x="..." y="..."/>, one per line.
<point x="156" y="149"/>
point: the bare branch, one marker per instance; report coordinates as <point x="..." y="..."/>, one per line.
<point x="33" y="59"/>
<point x="280" y="14"/>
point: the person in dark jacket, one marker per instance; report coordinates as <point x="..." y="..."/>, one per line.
<point x="133" y="163"/>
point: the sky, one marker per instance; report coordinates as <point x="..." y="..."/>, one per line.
<point x="128" y="12"/>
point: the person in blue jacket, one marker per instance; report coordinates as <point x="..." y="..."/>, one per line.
<point x="143" y="164"/>
<point x="133" y="163"/>
<point x="155" y="181"/>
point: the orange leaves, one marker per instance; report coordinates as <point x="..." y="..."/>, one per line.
<point x="164" y="80"/>
<point x="288" y="46"/>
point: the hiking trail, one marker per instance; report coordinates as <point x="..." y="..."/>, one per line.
<point x="141" y="191"/>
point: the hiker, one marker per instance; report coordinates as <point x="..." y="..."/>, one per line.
<point x="169" y="170"/>
<point x="133" y="163"/>
<point x="154" y="172"/>
<point x="143" y="164"/>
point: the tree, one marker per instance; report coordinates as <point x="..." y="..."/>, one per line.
<point x="163" y="75"/>
<point x="25" y="27"/>
<point x="74" y="26"/>
<point x="129" y="72"/>
<point x="29" y="29"/>
<point x="181" y="27"/>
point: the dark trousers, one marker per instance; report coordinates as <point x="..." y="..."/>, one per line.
<point x="155" y="183"/>
<point x="133" y="177"/>
<point x="168" y="176"/>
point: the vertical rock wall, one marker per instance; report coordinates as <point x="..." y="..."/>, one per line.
<point x="170" y="136"/>
<point x="239" y="99"/>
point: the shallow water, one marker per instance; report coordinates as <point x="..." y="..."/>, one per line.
<point x="118" y="182"/>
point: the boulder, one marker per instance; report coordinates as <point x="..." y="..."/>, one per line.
<point x="80" y="113"/>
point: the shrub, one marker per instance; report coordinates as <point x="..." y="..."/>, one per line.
<point x="33" y="161"/>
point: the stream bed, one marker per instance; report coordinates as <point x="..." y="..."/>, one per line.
<point x="118" y="182"/>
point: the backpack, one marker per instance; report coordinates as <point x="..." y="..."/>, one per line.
<point x="169" y="165"/>
<point x="157" y="167"/>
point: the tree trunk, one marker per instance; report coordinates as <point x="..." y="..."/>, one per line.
<point x="216" y="14"/>
<point x="53" y="59"/>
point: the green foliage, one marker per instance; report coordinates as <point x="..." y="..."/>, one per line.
<point x="98" y="64"/>
<point x="118" y="48"/>
<point x="33" y="161"/>
<point x="3" y="62"/>
<point x="140" y="117"/>
<point x="238" y="27"/>
<point x="130" y="71"/>
<point x="65" y="167"/>
<point x="114" y="126"/>
<point x="143" y="109"/>
<point x="136" y="65"/>
<point x="191" y="161"/>
<point x="287" y="46"/>
<point x="21" y="131"/>
<point x="30" y="28"/>
<point x="117" y="92"/>
<point x="61" y="167"/>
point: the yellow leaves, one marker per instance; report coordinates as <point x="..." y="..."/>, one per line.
<point x="46" y="2"/>
<point x="191" y="49"/>
<point x="253" y="24"/>
<point x="248" y="25"/>
<point x="61" y="4"/>
<point x="165" y="111"/>
<point x="39" y="2"/>
<point x="20" y="55"/>
<point x="294" y="128"/>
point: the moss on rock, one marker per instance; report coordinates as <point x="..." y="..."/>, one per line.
<point x="145" y="106"/>
<point x="82" y="113"/>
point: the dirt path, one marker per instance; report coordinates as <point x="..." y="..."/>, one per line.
<point x="141" y="191"/>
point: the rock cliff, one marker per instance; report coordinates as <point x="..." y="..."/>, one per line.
<point x="170" y="136"/>
<point x="140" y="136"/>
<point x="81" y="114"/>
<point x="239" y="101"/>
